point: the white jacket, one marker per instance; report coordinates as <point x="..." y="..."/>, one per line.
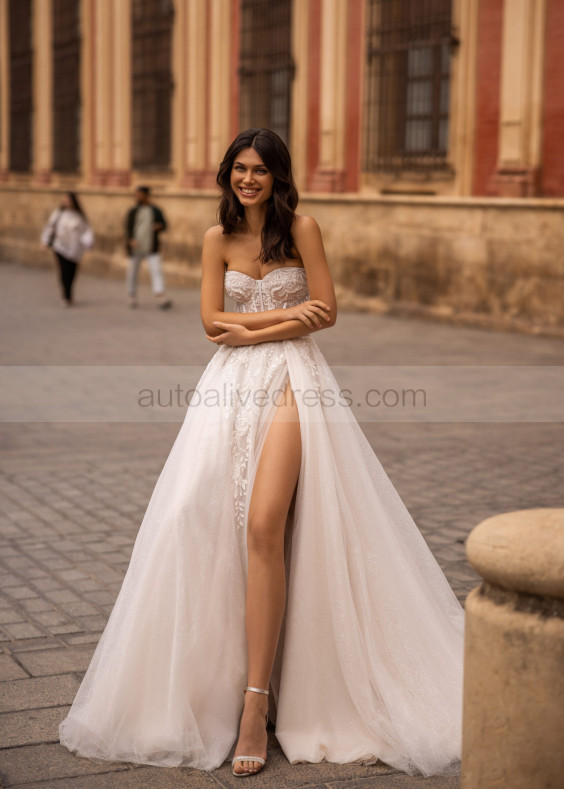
<point x="73" y="234"/>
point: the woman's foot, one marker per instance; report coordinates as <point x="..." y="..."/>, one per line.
<point x="253" y="737"/>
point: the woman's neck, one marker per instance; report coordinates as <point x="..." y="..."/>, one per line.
<point x="254" y="219"/>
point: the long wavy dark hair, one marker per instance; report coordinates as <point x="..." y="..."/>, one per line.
<point x="277" y="242"/>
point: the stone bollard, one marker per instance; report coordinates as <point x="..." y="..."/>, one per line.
<point x="513" y="719"/>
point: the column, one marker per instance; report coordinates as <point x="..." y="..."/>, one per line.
<point x="88" y="78"/>
<point x="4" y="92"/>
<point x="329" y="174"/>
<point x="119" y="95"/>
<point x="462" y="115"/>
<point x="42" y="90"/>
<point x="110" y="119"/>
<point x="102" y="57"/>
<point x="191" y="66"/>
<point x="219" y="135"/>
<point x="553" y="116"/>
<point x="299" y="109"/>
<point x="520" y="129"/>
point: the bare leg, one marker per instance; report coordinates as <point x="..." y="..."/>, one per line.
<point x="274" y="486"/>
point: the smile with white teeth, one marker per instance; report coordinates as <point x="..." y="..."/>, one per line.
<point x="249" y="191"/>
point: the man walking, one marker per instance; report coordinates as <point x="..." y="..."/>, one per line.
<point x="144" y="223"/>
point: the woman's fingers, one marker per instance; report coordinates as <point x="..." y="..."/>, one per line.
<point x="316" y="319"/>
<point x="217" y="337"/>
<point x="319" y="305"/>
<point x="323" y="307"/>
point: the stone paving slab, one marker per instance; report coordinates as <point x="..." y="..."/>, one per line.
<point x="33" y="764"/>
<point x="55" y="662"/>
<point x="140" y="777"/>
<point x="25" y="727"/>
<point x="401" y="780"/>
<point x="72" y="497"/>
<point x="10" y="670"/>
<point x="38" y="692"/>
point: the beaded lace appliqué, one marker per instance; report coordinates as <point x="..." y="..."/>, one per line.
<point x="250" y="369"/>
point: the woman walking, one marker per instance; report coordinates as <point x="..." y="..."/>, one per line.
<point x="275" y="557"/>
<point x="69" y="234"/>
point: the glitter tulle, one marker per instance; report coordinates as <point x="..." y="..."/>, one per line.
<point x="369" y="661"/>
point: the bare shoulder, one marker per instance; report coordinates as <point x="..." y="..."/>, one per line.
<point x="214" y="235"/>
<point x="304" y="227"/>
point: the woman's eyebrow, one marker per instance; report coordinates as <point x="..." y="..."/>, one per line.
<point x="255" y="166"/>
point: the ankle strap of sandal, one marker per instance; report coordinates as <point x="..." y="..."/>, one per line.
<point x="253" y="688"/>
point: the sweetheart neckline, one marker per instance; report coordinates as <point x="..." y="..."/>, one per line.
<point x="256" y="280"/>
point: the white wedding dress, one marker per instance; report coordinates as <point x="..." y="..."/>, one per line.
<point x="369" y="661"/>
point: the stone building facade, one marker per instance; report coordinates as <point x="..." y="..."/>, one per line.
<point x="426" y="136"/>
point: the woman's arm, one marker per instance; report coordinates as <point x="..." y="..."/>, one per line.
<point x="308" y="242"/>
<point x="237" y="335"/>
<point x="212" y="296"/>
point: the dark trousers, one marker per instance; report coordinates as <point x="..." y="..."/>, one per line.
<point x="67" y="271"/>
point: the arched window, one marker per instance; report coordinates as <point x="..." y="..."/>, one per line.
<point x="66" y="85"/>
<point x="152" y="83"/>
<point x="407" y="72"/>
<point x="266" y="67"/>
<point x="21" y="99"/>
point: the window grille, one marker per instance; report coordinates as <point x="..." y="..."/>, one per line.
<point x="21" y="99"/>
<point x="66" y="85"/>
<point x="266" y="67"/>
<point x="406" y="102"/>
<point x="152" y="84"/>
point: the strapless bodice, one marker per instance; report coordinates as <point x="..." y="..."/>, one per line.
<point x="280" y="288"/>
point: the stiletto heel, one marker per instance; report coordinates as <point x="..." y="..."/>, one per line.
<point x="242" y="757"/>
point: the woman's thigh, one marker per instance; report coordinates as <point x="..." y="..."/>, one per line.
<point x="277" y="471"/>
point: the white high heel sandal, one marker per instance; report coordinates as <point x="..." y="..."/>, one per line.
<point x="242" y="757"/>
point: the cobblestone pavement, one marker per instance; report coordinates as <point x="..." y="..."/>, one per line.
<point x="72" y="497"/>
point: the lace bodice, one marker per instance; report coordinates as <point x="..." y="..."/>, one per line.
<point x="280" y="288"/>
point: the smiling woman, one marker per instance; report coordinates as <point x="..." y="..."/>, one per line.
<point x="249" y="177"/>
<point x="275" y="555"/>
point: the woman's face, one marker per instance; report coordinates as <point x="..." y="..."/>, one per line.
<point x="66" y="201"/>
<point x="251" y="181"/>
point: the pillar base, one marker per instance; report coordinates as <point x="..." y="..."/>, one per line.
<point x="327" y="180"/>
<point x="515" y="182"/>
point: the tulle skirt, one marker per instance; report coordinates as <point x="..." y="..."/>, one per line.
<point x="369" y="662"/>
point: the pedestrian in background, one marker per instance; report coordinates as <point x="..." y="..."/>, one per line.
<point x="144" y="223"/>
<point x="69" y="234"/>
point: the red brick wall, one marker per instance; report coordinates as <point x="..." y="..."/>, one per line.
<point x="553" y="120"/>
<point x="488" y="89"/>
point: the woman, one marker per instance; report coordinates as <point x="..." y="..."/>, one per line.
<point x="275" y="555"/>
<point x="67" y="231"/>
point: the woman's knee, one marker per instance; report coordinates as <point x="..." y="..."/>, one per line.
<point x="265" y="532"/>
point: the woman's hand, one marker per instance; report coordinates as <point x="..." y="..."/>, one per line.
<point x="311" y="313"/>
<point x="234" y="335"/>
